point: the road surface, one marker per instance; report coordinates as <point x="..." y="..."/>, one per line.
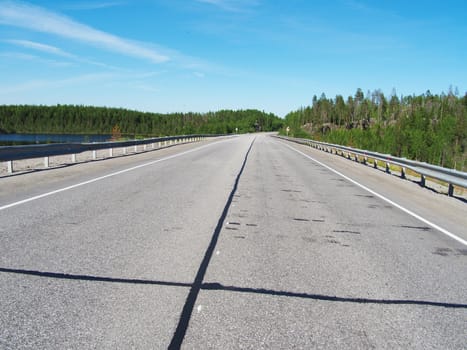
<point x="247" y="242"/>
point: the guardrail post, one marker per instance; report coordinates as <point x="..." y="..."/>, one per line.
<point x="136" y="148"/>
<point x="94" y="155"/>
<point x="450" y="190"/>
<point x="365" y="160"/>
<point x="111" y="152"/>
<point x="124" y="150"/>
<point x="46" y="162"/>
<point x="375" y="163"/>
<point x="144" y="147"/>
<point x="388" y="170"/>
<point x="422" y="180"/>
<point x="73" y="158"/>
<point x="10" y="166"/>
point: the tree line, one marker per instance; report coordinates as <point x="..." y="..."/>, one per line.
<point x="429" y="127"/>
<point x="74" y="119"/>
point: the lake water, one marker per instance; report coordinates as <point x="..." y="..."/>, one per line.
<point x="28" y="139"/>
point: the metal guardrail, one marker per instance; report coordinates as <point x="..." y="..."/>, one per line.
<point x="12" y="153"/>
<point x="450" y="176"/>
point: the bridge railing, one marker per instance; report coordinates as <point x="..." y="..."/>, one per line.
<point x="451" y="177"/>
<point x="9" y="154"/>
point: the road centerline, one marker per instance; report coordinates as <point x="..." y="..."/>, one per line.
<point x="197" y="285"/>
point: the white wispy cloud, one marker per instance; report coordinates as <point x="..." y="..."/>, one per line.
<point x="232" y="5"/>
<point x="144" y="87"/>
<point x="39" y="19"/>
<point x="28" y="57"/>
<point x="40" y="47"/>
<point x="42" y="84"/>
<point x="138" y="80"/>
<point x="18" y="55"/>
<point x="49" y="49"/>
<point x="94" y="5"/>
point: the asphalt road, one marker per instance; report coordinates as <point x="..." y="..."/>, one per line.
<point x="247" y="242"/>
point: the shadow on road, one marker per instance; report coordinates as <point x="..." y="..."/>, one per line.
<point x="218" y="286"/>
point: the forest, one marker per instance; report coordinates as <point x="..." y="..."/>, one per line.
<point x="430" y="128"/>
<point x="71" y="119"/>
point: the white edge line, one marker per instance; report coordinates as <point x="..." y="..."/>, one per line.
<point x="411" y="213"/>
<point x="103" y="177"/>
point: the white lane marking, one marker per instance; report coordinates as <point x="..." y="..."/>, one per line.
<point x="105" y="177"/>
<point x="411" y="213"/>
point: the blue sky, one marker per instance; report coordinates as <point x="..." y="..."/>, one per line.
<point x="205" y="55"/>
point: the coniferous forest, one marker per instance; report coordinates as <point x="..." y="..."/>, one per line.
<point x="69" y="119"/>
<point x="429" y="128"/>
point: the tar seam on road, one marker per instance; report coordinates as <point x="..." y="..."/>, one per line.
<point x="103" y="177"/>
<point x="405" y="210"/>
<point x="187" y="311"/>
